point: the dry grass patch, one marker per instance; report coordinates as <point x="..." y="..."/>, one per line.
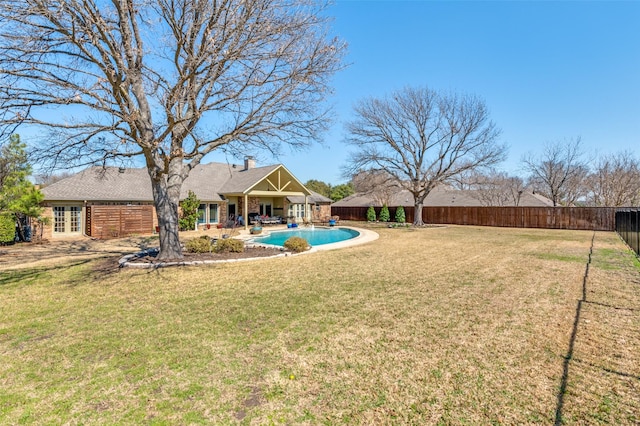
<point x="438" y="325"/>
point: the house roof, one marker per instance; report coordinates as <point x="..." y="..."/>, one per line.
<point x="241" y="180"/>
<point x="438" y="197"/>
<point x="104" y="184"/>
<point x="314" y="198"/>
<point x="207" y="181"/>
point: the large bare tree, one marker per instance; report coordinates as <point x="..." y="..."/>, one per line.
<point x="615" y="181"/>
<point x="559" y="172"/>
<point x="378" y="184"/>
<point x="168" y="80"/>
<point x="493" y="188"/>
<point x="421" y="138"/>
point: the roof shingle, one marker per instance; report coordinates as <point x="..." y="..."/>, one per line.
<point x="207" y="181"/>
<point x="440" y="196"/>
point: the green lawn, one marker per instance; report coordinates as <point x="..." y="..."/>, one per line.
<point x="455" y="325"/>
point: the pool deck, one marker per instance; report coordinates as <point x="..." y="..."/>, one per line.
<point x="365" y="236"/>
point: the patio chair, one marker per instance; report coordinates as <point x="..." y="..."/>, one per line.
<point x="229" y="225"/>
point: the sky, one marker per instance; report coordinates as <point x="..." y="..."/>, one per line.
<point x="548" y="71"/>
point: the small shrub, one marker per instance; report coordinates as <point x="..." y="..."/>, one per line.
<point x="7" y="228"/>
<point x="296" y="244"/>
<point x="384" y="214"/>
<point x="400" y="216"/>
<point x="229" y="245"/>
<point x="198" y="245"/>
<point x="189" y="212"/>
<point x="371" y="214"/>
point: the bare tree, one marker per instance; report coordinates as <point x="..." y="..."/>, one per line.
<point x="422" y="138"/>
<point x="45" y="179"/>
<point x="559" y="172"/>
<point x="496" y="188"/>
<point x="169" y="80"/>
<point x="615" y="181"/>
<point x="379" y="185"/>
<point x="465" y="180"/>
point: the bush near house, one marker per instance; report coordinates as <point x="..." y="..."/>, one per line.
<point x="189" y="212"/>
<point x="400" y="216"/>
<point x="7" y="228"/>
<point x="229" y="245"/>
<point x="198" y="245"/>
<point x="296" y="244"/>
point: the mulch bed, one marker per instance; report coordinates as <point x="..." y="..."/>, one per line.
<point x="249" y="253"/>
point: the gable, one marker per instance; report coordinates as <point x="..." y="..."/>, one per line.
<point x="264" y="181"/>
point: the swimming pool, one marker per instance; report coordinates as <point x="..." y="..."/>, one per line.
<point x="314" y="236"/>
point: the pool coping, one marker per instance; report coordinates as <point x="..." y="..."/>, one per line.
<point x="364" y="236"/>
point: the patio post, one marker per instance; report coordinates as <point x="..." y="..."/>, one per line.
<point x="245" y="209"/>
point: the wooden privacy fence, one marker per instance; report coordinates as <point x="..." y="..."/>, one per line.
<point x="628" y="227"/>
<point x="578" y="218"/>
<point x="119" y="221"/>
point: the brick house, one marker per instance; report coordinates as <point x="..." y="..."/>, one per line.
<point x="112" y="202"/>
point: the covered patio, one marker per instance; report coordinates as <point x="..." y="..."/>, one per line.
<point x="267" y="194"/>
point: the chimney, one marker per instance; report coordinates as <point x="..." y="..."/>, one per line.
<point x="249" y="162"/>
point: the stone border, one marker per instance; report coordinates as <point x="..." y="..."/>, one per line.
<point x="124" y="261"/>
<point x="365" y="236"/>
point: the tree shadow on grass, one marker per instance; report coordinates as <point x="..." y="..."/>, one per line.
<point x="31" y="275"/>
<point x="568" y="358"/>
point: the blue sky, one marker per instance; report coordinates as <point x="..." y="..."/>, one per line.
<point x="547" y="70"/>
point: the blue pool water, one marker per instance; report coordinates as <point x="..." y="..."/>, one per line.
<point x="315" y="237"/>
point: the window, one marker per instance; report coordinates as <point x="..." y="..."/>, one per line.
<point x="58" y="219"/>
<point x="265" y="209"/>
<point x="296" y="210"/>
<point x="74" y="219"/>
<point x="202" y="210"/>
<point x="213" y="213"/>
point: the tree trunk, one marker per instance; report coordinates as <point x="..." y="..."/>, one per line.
<point x="20" y="229"/>
<point x="417" y="213"/>
<point x="166" y="196"/>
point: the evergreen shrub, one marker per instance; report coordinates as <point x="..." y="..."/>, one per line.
<point x="296" y="244"/>
<point x="198" y="245"/>
<point x="384" y="214"/>
<point x="371" y="214"/>
<point x="229" y="245"/>
<point x="7" y="229"/>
